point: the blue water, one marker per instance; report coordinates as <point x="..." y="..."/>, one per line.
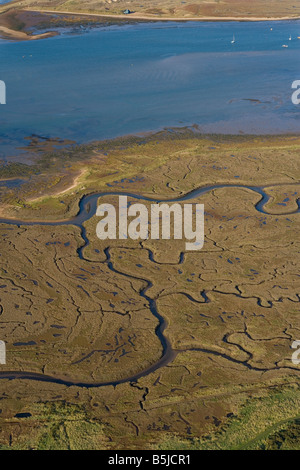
<point x="117" y="80"/>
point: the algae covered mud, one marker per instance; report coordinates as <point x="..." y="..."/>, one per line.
<point x="112" y="81"/>
<point x="140" y="344"/>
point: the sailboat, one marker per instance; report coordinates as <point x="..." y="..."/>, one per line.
<point x="233" y="40"/>
<point x="290" y="38"/>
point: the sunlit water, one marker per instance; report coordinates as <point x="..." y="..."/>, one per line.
<point x="112" y="81"/>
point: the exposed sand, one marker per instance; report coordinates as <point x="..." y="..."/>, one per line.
<point x="59" y="192"/>
<point x="75" y="183"/>
<point x="23" y="36"/>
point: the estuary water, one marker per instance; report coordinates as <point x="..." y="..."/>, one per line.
<point x="93" y="84"/>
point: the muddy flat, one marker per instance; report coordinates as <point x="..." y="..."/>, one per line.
<point x="174" y="342"/>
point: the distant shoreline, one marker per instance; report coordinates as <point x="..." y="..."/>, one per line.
<point x="10" y="33"/>
<point x="135" y="16"/>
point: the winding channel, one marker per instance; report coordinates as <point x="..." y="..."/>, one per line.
<point x="87" y="209"/>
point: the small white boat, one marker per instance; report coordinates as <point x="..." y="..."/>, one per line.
<point x="284" y="45"/>
<point x="290" y="38"/>
<point x="233" y="40"/>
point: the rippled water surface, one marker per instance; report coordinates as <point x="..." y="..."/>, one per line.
<point x="116" y="80"/>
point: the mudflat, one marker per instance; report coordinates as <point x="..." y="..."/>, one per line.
<point x="118" y="344"/>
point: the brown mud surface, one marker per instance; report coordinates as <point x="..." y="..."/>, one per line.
<point x="140" y="344"/>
